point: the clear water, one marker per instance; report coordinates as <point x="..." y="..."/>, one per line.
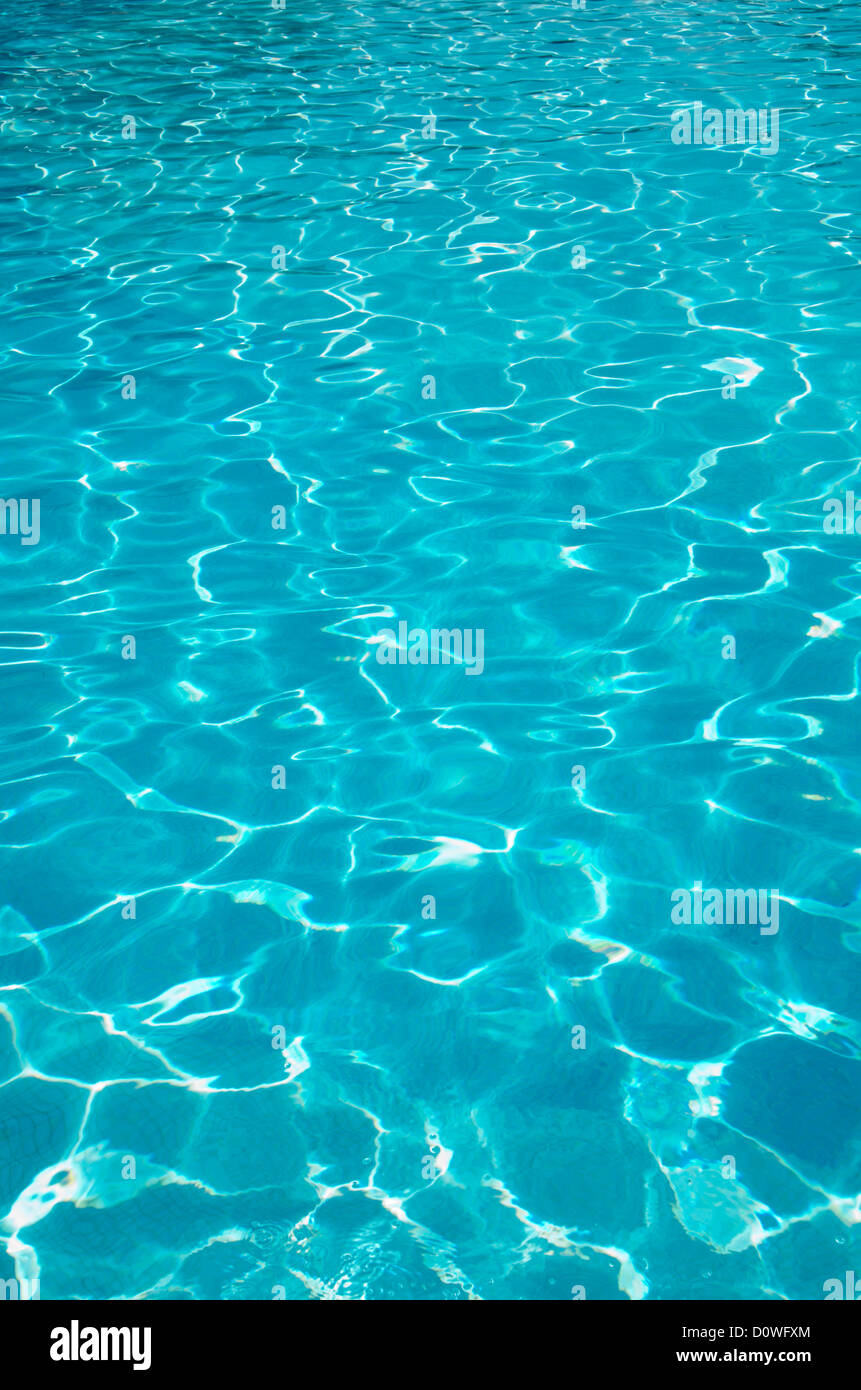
<point x="427" y="1124"/>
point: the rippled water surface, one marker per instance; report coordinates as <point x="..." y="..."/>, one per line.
<point x="327" y="976"/>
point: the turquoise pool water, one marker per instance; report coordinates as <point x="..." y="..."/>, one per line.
<point x="337" y="962"/>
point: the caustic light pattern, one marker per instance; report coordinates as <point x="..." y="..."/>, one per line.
<point x="429" y="568"/>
